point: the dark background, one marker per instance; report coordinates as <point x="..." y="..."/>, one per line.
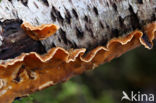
<point x="133" y="71"/>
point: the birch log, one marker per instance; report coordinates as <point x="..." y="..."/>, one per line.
<point x="83" y="23"/>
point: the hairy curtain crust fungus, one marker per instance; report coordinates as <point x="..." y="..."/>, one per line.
<point x="39" y="32"/>
<point x="31" y="72"/>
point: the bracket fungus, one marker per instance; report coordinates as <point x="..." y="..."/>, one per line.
<point x="31" y="72"/>
<point x="39" y="32"/>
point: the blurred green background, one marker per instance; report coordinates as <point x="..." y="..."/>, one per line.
<point x="133" y="71"/>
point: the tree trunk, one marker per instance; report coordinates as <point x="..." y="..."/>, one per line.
<point x="83" y="24"/>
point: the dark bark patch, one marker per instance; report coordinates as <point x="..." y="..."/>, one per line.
<point x="59" y="39"/>
<point x="74" y="45"/>
<point x="101" y="24"/>
<point x="107" y="26"/>
<point x="88" y="28"/>
<point x="63" y="36"/>
<point x="115" y="32"/>
<point x="4" y="50"/>
<point x="36" y="5"/>
<point x="45" y="2"/>
<point x="55" y="14"/>
<point x="121" y="21"/>
<point x="153" y="17"/>
<point x="37" y="22"/>
<point x="75" y="13"/>
<point x="68" y="16"/>
<point x="95" y="11"/>
<point x="11" y="26"/>
<point x="53" y="45"/>
<point x="24" y="2"/>
<point x="70" y="1"/>
<point x="134" y="19"/>
<point x="15" y="13"/>
<point x="11" y="50"/>
<point x="124" y="29"/>
<point x="79" y="32"/>
<point x="59" y="17"/>
<point x="115" y="7"/>
<point x="104" y="41"/>
<point x="140" y="1"/>
<point x="86" y="19"/>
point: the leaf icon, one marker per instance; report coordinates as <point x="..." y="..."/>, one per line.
<point x="125" y="96"/>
